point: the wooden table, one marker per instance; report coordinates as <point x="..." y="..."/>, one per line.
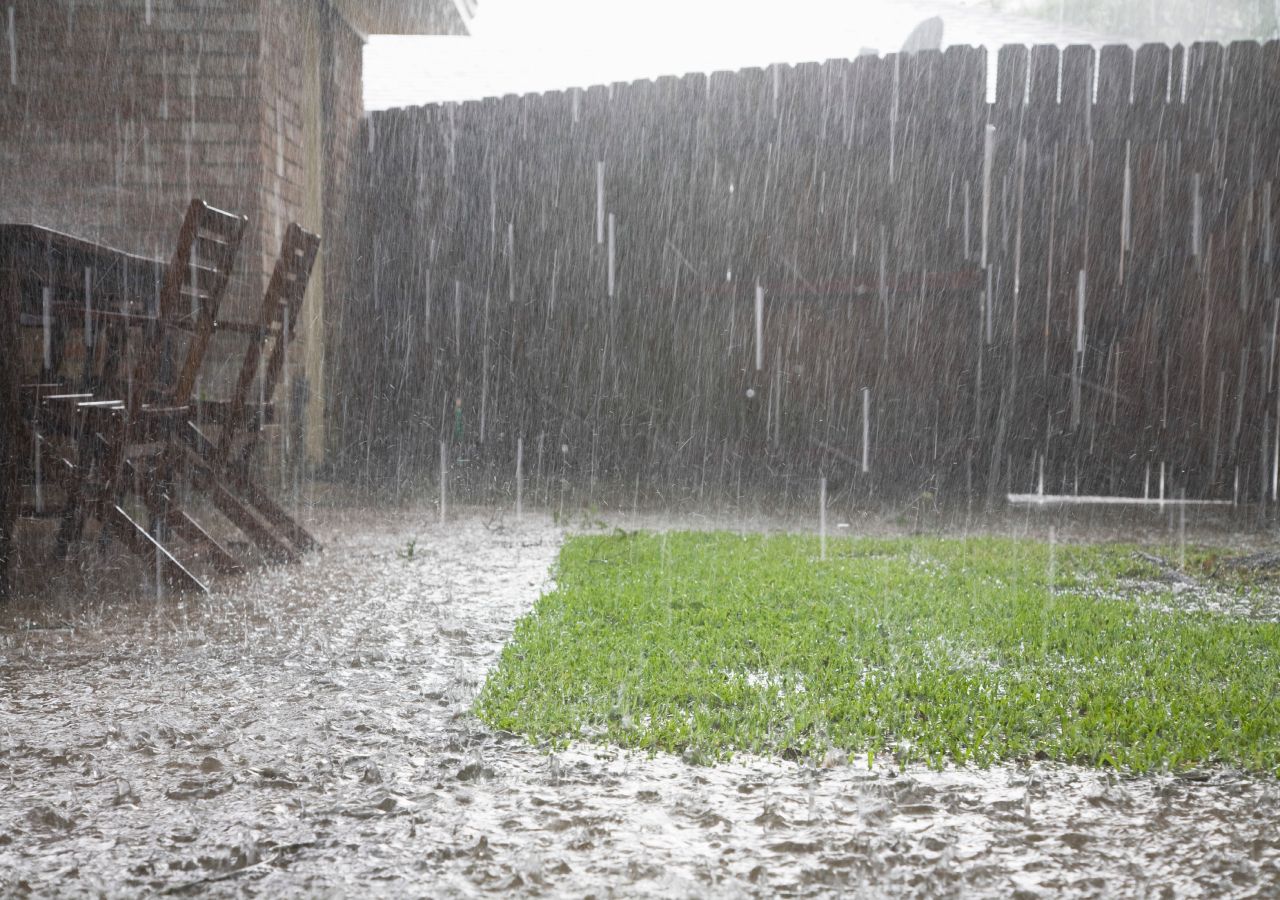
<point x="56" y="282"/>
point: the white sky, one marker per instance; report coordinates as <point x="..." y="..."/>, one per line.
<point x="523" y="46"/>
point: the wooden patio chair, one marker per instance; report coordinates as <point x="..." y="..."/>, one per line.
<point x="226" y="461"/>
<point x="220" y="469"/>
<point x="148" y="442"/>
<point x="127" y="441"/>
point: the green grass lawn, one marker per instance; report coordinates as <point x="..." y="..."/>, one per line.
<point x="927" y="649"/>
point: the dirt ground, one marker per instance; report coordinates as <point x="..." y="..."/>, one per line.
<point x="306" y="731"/>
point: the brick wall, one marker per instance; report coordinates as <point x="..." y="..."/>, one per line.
<point x="119" y="111"/>
<point x="283" y="36"/>
<point x="342" y="148"/>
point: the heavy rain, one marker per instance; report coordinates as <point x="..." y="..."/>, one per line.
<point x="706" y="449"/>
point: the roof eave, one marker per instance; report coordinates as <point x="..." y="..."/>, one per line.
<point x="407" y="16"/>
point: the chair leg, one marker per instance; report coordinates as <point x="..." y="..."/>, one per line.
<point x="271" y="511"/>
<point x="166" y="515"/>
<point x="240" y="515"/>
<point x="70" y="524"/>
<point x="137" y="539"/>
<point x="8" y="516"/>
<point x="190" y="531"/>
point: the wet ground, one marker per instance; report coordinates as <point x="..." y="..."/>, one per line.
<point x="308" y="733"/>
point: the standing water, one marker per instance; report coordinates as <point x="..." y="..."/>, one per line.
<point x="310" y="733"/>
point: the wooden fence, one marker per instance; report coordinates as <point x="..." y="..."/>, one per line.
<point x="860" y="267"/>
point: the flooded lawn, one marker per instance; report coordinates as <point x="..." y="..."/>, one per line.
<point x="310" y="731"/>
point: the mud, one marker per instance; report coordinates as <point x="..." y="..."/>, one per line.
<point x="308" y="732"/>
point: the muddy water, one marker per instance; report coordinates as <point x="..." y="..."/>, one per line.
<point x="308" y="732"/>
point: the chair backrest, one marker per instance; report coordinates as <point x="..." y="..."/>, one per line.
<point x="190" y="295"/>
<point x="278" y="316"/>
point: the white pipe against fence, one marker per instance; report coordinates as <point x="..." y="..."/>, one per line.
<point x="1102" y="500"/>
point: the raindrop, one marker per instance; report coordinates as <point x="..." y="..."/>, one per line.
<point x="1080" y="298"/>
<point x="1126" y="207"/>
<point x="444" y="479"/>
<point x="159" y="567"/>
<point x="511" y="255"/>
<point x="866" y="429"/>
<point x="519" y="478"/>
<point x="1182" y="528"/>
<point x="1017" y="240"/>
<point x="88" y="306"/>
<point x="457" y="315"/>
<point x="484" y="369"/>
<point x="555" y="273"/>
<point x="822" y="517"/>
<point x="46" y="321"/>
<point x="989" y="306"/>
<point x="1267" y="230"/>
<point x="1275" y="464"/>
<point x="13" y="51"/>
<point x="611" y="256"/>
<point x="759" y="331"/>
<point x="893" y="117"/>
<point x="988" y="154"/>
<point x="1196" y="212"/>
<point x="968" y="214"/>
<point x="1053" y="557"/>
<point x="426" y="308"/>
<point x="38" y="474"/>
<point x="599" y="201"/>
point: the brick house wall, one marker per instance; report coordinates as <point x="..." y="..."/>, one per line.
<point x="109" y="124"/>
<point x="344" y="55"/>
<point x="114" y="113"/>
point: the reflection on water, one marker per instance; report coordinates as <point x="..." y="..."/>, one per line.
<point x="309" y="731"/>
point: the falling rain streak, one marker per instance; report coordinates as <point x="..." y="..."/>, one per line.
<point x="611" y="254"/>
<point x="599" y="201"/>
<point x="1064" y="285"/>
<point x="866" y="430"/>
<point x="1053" y="268"/>
<point x="12" y="34"/>
<point x="759" y="327"/>
<point x="822" y="517"/>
